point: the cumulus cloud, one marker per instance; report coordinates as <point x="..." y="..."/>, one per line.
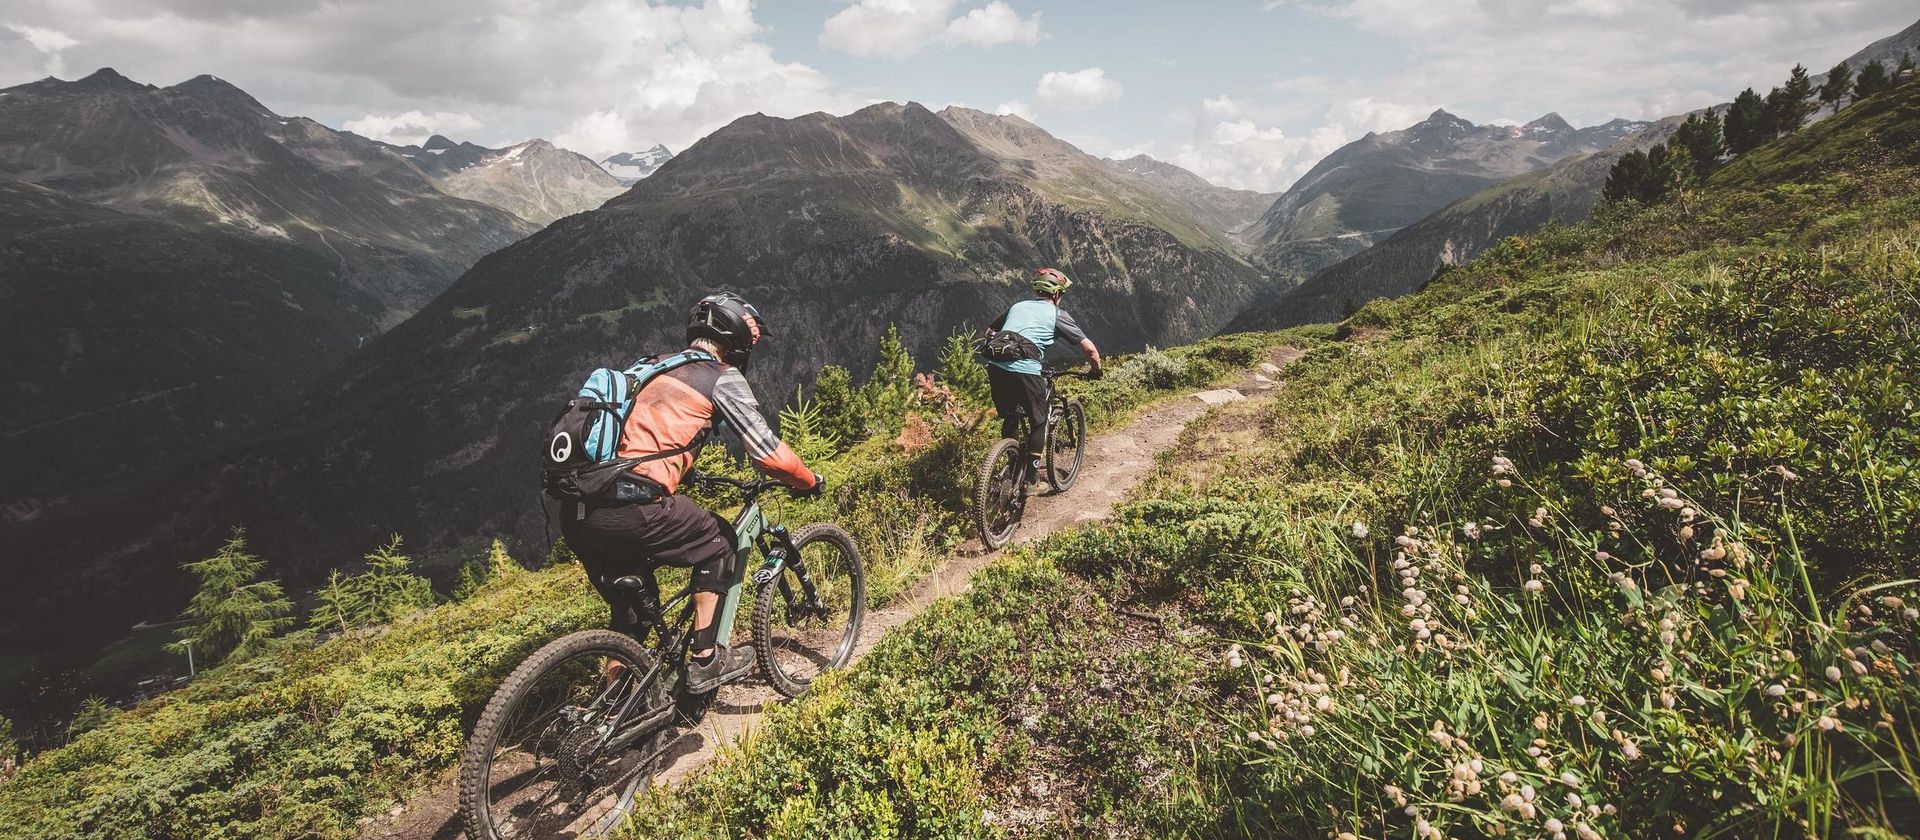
<point x="31" y="51"/>
<point x="1077" y="91"/>
<point x="1593" y="60"/>
<point x="1589" y="60"/>
<point x="413" y="127"/>
<point x="901" y="28"/>
<point x="1016" y="108"/>
<point x="993" y="24"/>
<point x="623" y="74"/>
<point x="1235" y="145"/>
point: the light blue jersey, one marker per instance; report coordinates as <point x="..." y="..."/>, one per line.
<point x="1041" y="322"/>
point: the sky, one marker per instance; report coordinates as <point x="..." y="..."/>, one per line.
<point x="1246" y="94"/>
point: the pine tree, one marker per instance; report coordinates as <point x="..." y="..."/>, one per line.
<point x="890" y="391"/>
<point x="960" y="371"/>
<point x="1700" y="135"/>
<point x="804" y="429"/>
<point x="1627" y="177"/>
<point x="390" y="587"/>
<point x="1671" y="172"/>
<point x="1838" y="85"/>
<point x="342" y="606"/>
<point x="1906" y="66"/>
<point x="1777" y="115"/>
<point x="1745" y="121"/>
<point x="93" y="713"/>
<point x="834" y="398"/>
<point x="234" y="613"/>
<point x="1873" y="79"/>
<point x="1799" y="96"/>
<point x="497" y="565"/>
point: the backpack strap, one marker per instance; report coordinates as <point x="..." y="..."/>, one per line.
<point x="661" y="366"/>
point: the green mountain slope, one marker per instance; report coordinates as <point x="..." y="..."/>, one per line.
<point x="1610" y="533"/>
<point x="127" y="339"/>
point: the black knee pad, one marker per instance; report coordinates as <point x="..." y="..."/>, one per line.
<point x="711" y="575"/>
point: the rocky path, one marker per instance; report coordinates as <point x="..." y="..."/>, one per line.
<point x="1116" y="463"/>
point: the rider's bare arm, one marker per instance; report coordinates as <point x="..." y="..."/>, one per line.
<point x="1093" y="353"/>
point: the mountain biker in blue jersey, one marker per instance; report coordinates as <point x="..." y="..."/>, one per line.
<point x="1018" y="389"/>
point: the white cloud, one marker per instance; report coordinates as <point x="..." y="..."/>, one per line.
<point x="44" y="40"/>
<point x="413" y="127"/>
<point x="1593" y="60"/>
<point x="901" y="28"/>
<point x="32" y="51"/>
<point x="1232" y="145"/>
<point x="993" y="24"/>
<point x="1077" y="91"/>
<point x="1016" y="108"/>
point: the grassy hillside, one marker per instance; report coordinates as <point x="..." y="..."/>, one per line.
<point x="304" y="740"/>
<point x="1608" y="534"/>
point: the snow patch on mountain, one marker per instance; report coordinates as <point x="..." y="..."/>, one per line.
<point x="630" y="167"/>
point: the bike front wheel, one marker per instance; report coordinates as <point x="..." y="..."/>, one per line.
<point x="566" y="741"/>
<point x="806" y="619"/>
<point x="998" y="497"/>
<point x="1067" y="446"/>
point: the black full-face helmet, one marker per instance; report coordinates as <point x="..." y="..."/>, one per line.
<point x="729" y="321"/>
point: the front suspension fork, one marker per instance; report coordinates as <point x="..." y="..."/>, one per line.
<point x="782" y="553"/>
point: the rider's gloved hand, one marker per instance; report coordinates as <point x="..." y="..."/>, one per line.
<point x="819" y="487"/>
<point x="1098" y="372"/>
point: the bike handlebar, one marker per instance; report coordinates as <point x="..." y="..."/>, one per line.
<point x="748" y="488"/>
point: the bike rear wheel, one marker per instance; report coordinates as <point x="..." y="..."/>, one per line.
<point x="998" y="497"/>
<point x="798" y="638"/>
<point x="1067" y="446"/>
<point x="539" y="764"/>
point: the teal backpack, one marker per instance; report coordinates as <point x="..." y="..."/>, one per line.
<point x="583" y="442"/>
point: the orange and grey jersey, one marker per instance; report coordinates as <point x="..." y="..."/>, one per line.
<point x="681" y="405"/>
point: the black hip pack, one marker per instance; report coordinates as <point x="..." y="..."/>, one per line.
<point x="1008" y="346"/>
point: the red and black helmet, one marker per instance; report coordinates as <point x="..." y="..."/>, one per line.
<point x="728" y="320"/>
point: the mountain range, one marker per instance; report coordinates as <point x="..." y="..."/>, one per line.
<point x="836" y="226"/>
<point x="536" y="180"/>
<point x="1367" y="189"/>
<point x="205" y="153"/>
<point x="166" y="245"/>
<point x="1566" y="191"/>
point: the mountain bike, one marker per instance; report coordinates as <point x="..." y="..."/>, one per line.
<point x="999" y="494"/>
<point x="577" y="729"/>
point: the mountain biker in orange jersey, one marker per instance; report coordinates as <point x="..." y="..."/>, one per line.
<point x="669" y="420"/>
<point x="1018" y="389"/>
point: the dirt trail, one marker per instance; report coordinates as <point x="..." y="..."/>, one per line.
<point x="1116" y="463"/>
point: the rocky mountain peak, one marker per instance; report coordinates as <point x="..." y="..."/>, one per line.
<point x="107" y="78"/>
<point x="214" y="88"/>
<point x="1551" y="121"/>
<point x="439" y="141"/>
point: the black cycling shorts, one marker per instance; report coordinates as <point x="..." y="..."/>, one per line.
<point x="613" y="542"/>
<point x="1017" y="396"/>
